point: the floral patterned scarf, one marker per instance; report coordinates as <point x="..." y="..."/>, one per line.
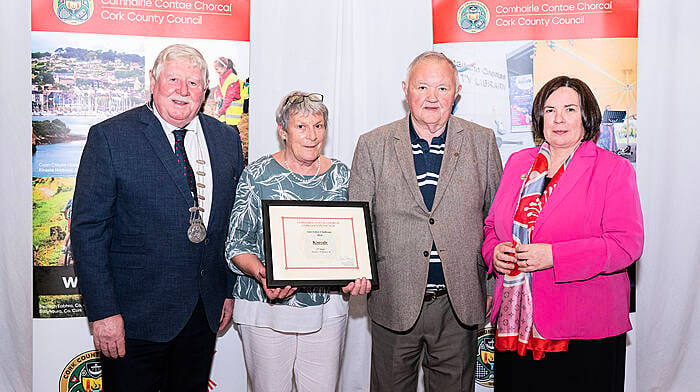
<point x="515" y="329"/>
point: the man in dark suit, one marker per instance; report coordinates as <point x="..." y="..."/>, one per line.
<point x="152" y="201"/>
<point x="430" y="179"/>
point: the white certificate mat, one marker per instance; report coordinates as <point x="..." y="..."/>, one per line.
<point x="317" y="243"/>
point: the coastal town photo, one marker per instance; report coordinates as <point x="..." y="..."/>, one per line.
<point x="77" y="83"/>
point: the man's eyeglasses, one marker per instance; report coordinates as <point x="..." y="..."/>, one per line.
<point x="297" y="99"/>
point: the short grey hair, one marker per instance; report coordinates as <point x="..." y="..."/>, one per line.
<point x="183" y="53"/>
<point x="432" y="55"/>
<point x="305" y="107"/>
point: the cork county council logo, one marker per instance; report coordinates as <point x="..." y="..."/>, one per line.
<point x="73" y="12"/>
<point x="484" y="359"/>
<point x="82" y="374"/>
<point x="473" y="16"/>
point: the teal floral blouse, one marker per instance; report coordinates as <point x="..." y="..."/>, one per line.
<point x="266" y="179"/>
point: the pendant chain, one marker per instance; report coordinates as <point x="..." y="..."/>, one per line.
<point x="301" y="179"/>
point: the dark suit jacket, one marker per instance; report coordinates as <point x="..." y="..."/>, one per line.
<point x="383" y="173"/>
<point x="130" y="220"/>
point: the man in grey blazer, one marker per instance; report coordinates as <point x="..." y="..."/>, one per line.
<point x="430" y="179"/>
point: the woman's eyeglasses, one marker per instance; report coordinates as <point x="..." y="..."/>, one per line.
<point x="297" y="99"/>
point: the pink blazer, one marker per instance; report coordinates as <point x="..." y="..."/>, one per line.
<point x="594" y="222"/>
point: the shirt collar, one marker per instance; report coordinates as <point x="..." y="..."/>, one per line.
<point x="194" y="125"/>
<point x="436" y="140"/>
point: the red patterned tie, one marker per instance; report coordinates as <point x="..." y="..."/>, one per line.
<point x="181" y="157"/>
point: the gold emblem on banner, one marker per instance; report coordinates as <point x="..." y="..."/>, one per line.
<point x="82" y="374"/>
<point x="485" y="356"/>
<point x="473" y="16"/>
<point x="73" y="12"/>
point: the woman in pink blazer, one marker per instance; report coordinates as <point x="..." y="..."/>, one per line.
<point x="565" y="224"/>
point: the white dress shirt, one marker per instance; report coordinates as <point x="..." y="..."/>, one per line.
<point x="196" y="149"/>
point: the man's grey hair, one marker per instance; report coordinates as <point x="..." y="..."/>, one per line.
<point x="183" y="53"/>
<point x="432" y="55"/>
<point x="305" y="107"/>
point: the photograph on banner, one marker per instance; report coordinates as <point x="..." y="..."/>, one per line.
<point x="57" y="142"/>
<point x="55" y="284"/>
<point x="52" y="200"/>
<point x="79" y="80"/>
<point x="499" y="81"/>
<point x="609" y="67"/>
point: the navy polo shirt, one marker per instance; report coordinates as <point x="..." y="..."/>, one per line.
<point x="427" y="159"/>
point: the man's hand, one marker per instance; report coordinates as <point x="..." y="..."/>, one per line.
<point x="108" y="336"/>
<point x="358" y="287"/>
<point x="226" y="314"/>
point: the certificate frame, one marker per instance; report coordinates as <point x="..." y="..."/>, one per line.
<point x="307" y="243"/>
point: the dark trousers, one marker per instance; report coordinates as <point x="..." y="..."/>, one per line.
<point x="596" y="365"/>
<point x="447" y="346"/>
<point x="182" y="364"/>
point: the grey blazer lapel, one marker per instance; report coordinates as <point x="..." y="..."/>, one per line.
<point x="155" y="135"/>
<point x="453" y="147"/>
<point x="404" y="155"/>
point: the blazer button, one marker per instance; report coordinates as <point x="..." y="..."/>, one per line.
<point x="431" y="221"/>
<point x="201" y="273"/>
<point x="206" y="241"/>
<point x="426" y="253"/>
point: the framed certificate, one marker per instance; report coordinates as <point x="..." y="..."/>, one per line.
<point x="317" y="243"/>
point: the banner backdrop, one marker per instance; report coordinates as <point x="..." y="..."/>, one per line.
<point x="90" y="61"/>
<point x="505" y="50"/>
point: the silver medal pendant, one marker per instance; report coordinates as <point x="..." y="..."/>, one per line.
<point x="196" y="232"/>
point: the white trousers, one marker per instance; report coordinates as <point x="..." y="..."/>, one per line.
<point x="277" y="360"/>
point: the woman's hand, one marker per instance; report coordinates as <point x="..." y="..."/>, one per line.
<point x="503" y="259"/>
<point x="534" y="257"/>
<point x="276" y="293"/>
<point x="250" y="265"/>
<point x="358" y="287"/>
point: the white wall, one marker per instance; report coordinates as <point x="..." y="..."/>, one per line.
<point x="668" y="318"/>
<point x="353" y="52"/>
<point x="15" y="199"/>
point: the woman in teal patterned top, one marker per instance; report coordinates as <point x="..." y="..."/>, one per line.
<point x="289" y="335"/>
